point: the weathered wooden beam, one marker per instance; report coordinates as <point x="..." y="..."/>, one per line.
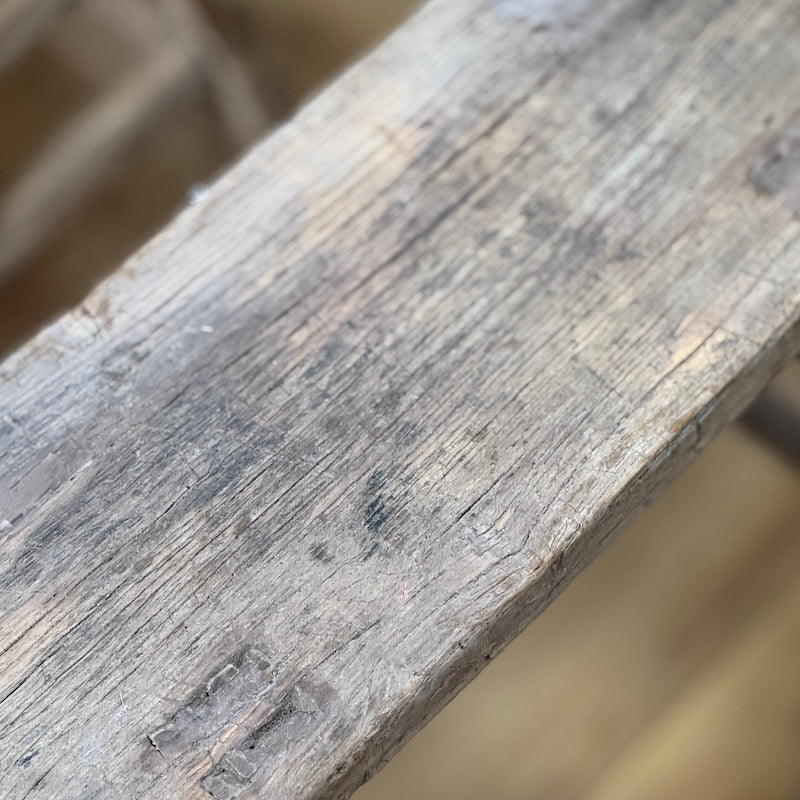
<point x="284" y="484"/>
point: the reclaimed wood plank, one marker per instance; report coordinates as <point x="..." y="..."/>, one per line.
<point x="283" y="485"/>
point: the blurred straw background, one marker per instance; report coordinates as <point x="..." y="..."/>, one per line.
<point x="670" y="668"/>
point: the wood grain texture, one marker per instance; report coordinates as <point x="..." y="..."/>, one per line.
<point x="283" y="485"/>
<point x="647" y="633"/>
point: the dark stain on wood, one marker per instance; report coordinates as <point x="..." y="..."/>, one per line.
<point x="319" y="552"/>
<point x="377" y="512"/>
<point x="407" y="433"/>
<point x="648" y="8"/>
<point x="225" y="692"/>
<point x="326" y="355"/>
<point x="776" y="171"/>
<point x="542" y="216"/>
<point x="292" y="716"/>
<point x="25" y="760"/>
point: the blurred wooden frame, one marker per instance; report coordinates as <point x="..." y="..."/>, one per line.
<point x="176" y="56"/>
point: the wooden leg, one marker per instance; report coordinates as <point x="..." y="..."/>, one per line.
<point x="777" y="422"/>
<point x="21" y="23"/>
<point x="232" y="93"/>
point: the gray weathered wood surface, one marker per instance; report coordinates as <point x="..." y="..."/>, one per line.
<point x="317" y="452"/>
